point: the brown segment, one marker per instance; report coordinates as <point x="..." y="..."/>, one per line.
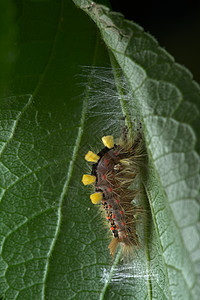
<point x="115" y="172"/>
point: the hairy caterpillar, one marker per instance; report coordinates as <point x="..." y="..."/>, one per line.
<point x="114" y="169"/>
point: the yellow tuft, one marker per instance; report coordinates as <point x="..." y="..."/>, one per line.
<point x="88" y="179"/>
<point x="108" y="141"/>
<point x="91" y="156"/>
<point x="96" y="197"/>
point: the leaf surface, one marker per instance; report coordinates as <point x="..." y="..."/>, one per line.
<point x="53" y="240"/>
<point x="168" y="103"/>
<point x="42" y="117"/>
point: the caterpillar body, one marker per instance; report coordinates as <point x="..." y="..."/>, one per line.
<point x="114" y="169"/>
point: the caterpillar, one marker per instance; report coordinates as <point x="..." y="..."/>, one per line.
<point x="114" y="169"/>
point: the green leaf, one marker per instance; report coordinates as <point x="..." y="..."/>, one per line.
<point x="43" y="210"/>
<point x="53" y="240"/>
<point x="168" y="103"/>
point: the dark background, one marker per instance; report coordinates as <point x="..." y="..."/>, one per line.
<point x="175" y="24"/>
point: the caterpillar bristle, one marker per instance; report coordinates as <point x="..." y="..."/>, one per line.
<point x="114" y="170"/>
<point x="113" y="246"/>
